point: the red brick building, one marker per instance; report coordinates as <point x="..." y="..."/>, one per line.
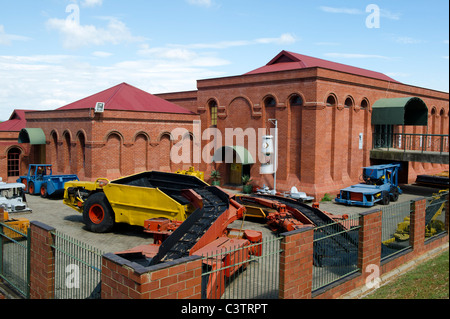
<point x="13" y="156"/>
<point x="323" y="109"/>
<point x="129" y="132"/>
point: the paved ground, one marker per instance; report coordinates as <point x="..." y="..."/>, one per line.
<point x="68" y="221"/>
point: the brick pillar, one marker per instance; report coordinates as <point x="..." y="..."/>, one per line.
<point x="42" y="262"/>
<point x="369" y="247"/>
<point x="447" y="214"/>
<point x="124" y="279"/>
<point x="296" y="264"/>
<point x="417" y="225"/>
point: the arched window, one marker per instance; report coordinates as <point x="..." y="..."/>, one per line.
<point x="348" y="102"/>
<point x="14" y="162"/>
<point x="213" y="112"/>
<point x="331" y="100"/>
<point x="270" y="101"/>
<point x="364" y="104"/>
<point x="296" y="100"/>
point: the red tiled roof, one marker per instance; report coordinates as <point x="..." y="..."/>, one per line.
<point x="125" y="97"/>
<point x="286" y="60"/>
<point x="16" y="122"/>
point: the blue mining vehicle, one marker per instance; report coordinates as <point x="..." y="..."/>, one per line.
<point x="380" y="185"/>
<point x="41" y="181"/>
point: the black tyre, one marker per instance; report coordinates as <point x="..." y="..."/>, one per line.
<point x="31" y="189"/>
<point x="98" y="214"/>
<point x="43" y="191"/>
<point x="394" y="194"/>
<point x="386" y="198"/>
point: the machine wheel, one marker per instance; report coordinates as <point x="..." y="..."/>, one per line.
<point x="395" y="194"/>
<point x="98" y="214"/>
<point x="386" y="198"/>
<point x="31" y="188"/>
<point x="43" y="191"/>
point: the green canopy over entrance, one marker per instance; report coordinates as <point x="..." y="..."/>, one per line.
<point x="243" y="156"/>
<point x="400" y="111"/>
<point x="33" y="136"/>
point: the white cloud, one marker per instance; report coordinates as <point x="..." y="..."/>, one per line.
<point x="6" y="39"/>
<point x="341" y="10"/>
<point x="407" y="40"/>
<point x="201" y="3"/>
<point x="45" y="82"/>
<point x="356" y="56"/>
<point x="355" y="11"/>
<point x="286" y="38"/>
<point x="75" y="35"/>
<point x="102" y="54"/>
<point x="91" y="3"/>
<point x="389" y="15"/>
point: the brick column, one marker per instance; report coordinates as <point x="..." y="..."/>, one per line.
<point x="296" y="264"/>
<point x="447" y="213"/>
<point x="417" y="225"/>
<point x="369" y="247"/>
<point x="124" y="279"/>
<point x="42" y="262"/>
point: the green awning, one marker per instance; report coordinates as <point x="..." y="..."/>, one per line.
<point x="243" y="156"/>
<point x="33" y="136"/>
<point x="400" y="111"/>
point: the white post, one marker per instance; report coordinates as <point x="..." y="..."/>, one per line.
<point x="275" y="158"/>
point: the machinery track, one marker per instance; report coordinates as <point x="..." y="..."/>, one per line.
<point x="183" y="239"/>
<point x="332" y="242"/>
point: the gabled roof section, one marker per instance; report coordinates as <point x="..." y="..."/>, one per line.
<point x="286" y="60"/>
<point x="125" y="97"/>
<point x="16" y="122"/>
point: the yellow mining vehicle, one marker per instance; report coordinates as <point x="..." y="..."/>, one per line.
<point x="191" y="171"/>
<point x="16" y="228"/>
<point x="137" y="200"/>
<point x="432" y="224"/>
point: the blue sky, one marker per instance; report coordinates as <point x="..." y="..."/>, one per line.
<point x="53" y="52"/>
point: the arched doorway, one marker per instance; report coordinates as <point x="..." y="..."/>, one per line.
<point x="234" y="163"/>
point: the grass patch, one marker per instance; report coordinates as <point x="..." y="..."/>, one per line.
<point x="427" y="281"/>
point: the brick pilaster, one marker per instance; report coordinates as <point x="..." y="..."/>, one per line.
<point x="417" y="225"/>
<point x="369" y="247"/>
<point x="42" y="262"/>
<point x="296" y="264"/>
<point x="447" y="213"/>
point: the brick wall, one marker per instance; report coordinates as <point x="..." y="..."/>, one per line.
<point x="181" y="279"/>
<point x="122" y="279"/>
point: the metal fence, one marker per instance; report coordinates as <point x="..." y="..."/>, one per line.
<point x="335" y="251"/>
<point x="77" y="268"/>
<point x="14" y="258"/>
<point x="412" y="142"/>
<point x="395" y="229"/>
<point x="250" y="272"/>
<point x="435" y="215"/>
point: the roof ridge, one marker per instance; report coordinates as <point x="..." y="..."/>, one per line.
<point x="119" y="87"/>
